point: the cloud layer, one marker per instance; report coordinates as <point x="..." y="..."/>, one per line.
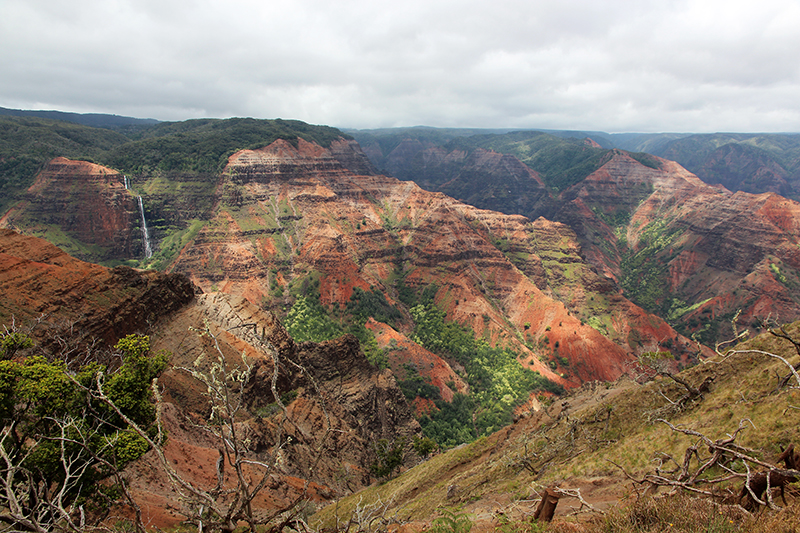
<point x="619" y="65"/>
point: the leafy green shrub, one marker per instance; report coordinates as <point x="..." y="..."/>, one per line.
<point x="307" y="320"/>
<point x="451" y="522"/>
<point x="363" y="305"/>
<point x="424" y="446"/>
<point x="388" y="457"/>
<point x="49" y="413"/>
<point x="415" y="386"/>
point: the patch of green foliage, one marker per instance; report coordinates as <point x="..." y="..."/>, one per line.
<point x="497" y="380"/>
<point x="363" y="305"/>
<point x="49" y="412"/>
<point x="173" y="243"/>
<point x="369" y="345"/>
<point x="644" y="270"/>
<point x="308" y="320"/>
<point x="451" y="522"/>
<point x="204" y="145"/>
<point x="411" y="297"/>
<point x="416" y="386"/>
<point x="424" y="446"/>
<point x="646" y="159"/>
<point x="388" y="457"/>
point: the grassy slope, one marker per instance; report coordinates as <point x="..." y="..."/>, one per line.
<point x="574" y="448"/>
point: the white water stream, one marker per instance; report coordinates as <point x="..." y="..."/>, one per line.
<point x="148" y="251"/>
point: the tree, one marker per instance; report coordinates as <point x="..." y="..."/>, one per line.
<point x="388" y="457"/>
<point x="61" y="451"/>
<point x="242" y="473"/>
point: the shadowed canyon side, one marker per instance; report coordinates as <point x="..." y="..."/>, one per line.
<point x="79" y="310"/>
<point x="344" y="399"/>
<point x="80" y="301"/>
<point x="291" y="214"/>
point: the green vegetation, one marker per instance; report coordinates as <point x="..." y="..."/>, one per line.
<point x="561" y="162"/>
<point x="424" y="446"/>
<point x="415" y="386"/>
<point x="363" y="305"/>
<point x="204" y="145"/>
<point x="496" y="379"/>
<point x="27" y="143"/>
<point x="498" y="382"/>
<point x="645" y="268"/>
<point x="63" y="445"/>
<point x="451" y="522"/>
<point x="388" y="457"/>
<point x="308" y="320"/>
<point x="646" y="159"/>
<point x="173" y="242"/>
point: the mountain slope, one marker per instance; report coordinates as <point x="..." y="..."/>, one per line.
<point x="311" y="232"/>
<point x="754" y="163"/>
<point x="76" y="311"/>
<point x="584" y="440"/>
<point x="692" y="253"/>
<point x="689" y="252"/>
<point x="310" y="214"/>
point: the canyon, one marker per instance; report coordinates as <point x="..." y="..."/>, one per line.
<point x="295" y="246"/>
<point x="75" y="311"/>
<point x="695" y="254"/>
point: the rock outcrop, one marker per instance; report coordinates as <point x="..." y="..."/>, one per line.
<point x="339" y="404"/>
<point x="79" y="309"/>
<point x="77" y="202"/>
<point x="80" y="301"/>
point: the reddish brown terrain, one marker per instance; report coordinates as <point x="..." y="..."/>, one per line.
<point x="80" y="202"/>
<point x="78" y="310"/>
<point x="288" y="213"/>
<point x="79" y="300"/>
<point x="697" y="252"/>
<point x="689" y="252"/>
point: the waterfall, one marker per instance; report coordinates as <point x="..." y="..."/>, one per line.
<point x="148" y="251"/>
<point x="126" y="182"/>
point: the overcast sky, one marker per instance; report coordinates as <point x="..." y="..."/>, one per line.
<point x="610" y="65"/>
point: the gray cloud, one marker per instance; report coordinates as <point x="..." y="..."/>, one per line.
<point x="620" y="65"/>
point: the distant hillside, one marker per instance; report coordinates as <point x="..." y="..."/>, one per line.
<point x="688" y="252"/>
<point x="752" y="163"/>
<point x="28" y="143"/>
<point x="94" y="120"/>
<point x="193" y="147"/>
